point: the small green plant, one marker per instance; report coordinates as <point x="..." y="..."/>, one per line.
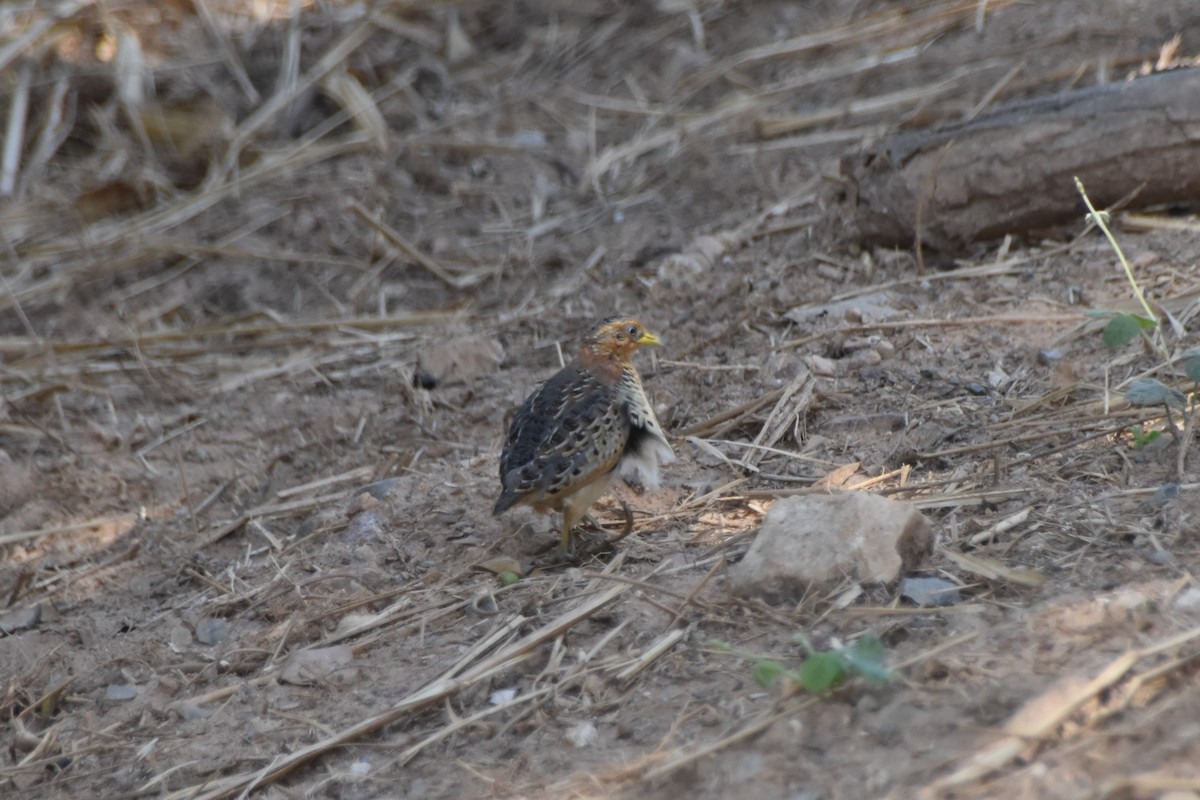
<point x="1124" y="328"/>
<point x="1142" y="437"/>
<point x="822" y="671"/>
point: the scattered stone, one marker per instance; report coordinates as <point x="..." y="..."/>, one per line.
<point x="1162" y="557"/>
<point x="582" y="734"/>
<point x="874" y="307"/>
<point x="20" y="619"/>
<point x="502" y="696"/>
<point x="211" y="630"/>
<point x="997" y="377"/>
<point x="120" y="693"/>
<point x="862" y="358"/>
<point x="817" y="540"/>
<point x="930" y="592"/>
<point x="1188" y="599"/>
<point x="190" y="712"/>
<point x="379" y="490"/>
<point x="1049" y="358"/>
<point x="1164" y="495"/>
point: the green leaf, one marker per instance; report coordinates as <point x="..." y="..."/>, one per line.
<point x="765" y="672"/>
<point x="509" y="578"/>
<point x="1141" y="438"/>
<point x="1192" y="368"/>
<point x="866" y="656"/>
<point x="1121" y="330"/>
<point x="821" y="672"/>
<point x="1145" y="323"/>
<point x="1153" y="392"/>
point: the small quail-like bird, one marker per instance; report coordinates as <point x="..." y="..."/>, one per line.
<point x="588" y="421"/>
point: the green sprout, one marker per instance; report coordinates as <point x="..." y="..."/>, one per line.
<point x="822" y="671"/>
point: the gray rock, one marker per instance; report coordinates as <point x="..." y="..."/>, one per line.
<point x="119" y="693"/>
<point x="927" y="592"/>
<point x="818" y="540"/>
<point x="211" y="630"/>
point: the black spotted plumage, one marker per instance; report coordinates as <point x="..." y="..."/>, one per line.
<point x="590" y="417"/>
<point x="570" y="431"/>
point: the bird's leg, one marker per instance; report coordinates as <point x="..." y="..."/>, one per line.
<point x="565" y="543"/>
<point x="628" y="529"/>
<point x="576" y="506"/>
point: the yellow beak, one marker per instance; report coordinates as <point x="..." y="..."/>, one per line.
<point x="648" y="339"/>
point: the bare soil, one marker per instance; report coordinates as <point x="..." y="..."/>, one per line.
<point x="273" y="284"/>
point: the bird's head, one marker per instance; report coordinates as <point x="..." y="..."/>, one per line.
<point x="620" y="337"/>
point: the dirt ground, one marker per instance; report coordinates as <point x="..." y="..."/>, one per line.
<point x="276" y="275"/>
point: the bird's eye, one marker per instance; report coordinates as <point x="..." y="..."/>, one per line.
<point x="633" y="331"/>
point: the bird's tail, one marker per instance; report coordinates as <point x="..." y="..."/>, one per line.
<point x="506" y="501"/>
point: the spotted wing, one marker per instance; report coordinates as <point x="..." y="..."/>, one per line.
<point x="568" y="433"/>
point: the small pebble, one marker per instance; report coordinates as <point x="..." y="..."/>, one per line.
<point x="211" y="630"/>
<point x="1049" y="357"/>
<point x="119" y="693"/>
<point x="926" y="592"/>
<point x="582" y="734"/>
<point x="502" y="696"/>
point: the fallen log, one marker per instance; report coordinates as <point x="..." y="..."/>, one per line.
<point x="1012" y="170"/>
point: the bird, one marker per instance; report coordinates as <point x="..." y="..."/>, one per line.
<point x="587" y="422"/>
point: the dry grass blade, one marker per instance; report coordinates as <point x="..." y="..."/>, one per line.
<point x="287" y="94"/>
<point x="994" y="570"/>
<point x="118" y="520"/>
<point x="1001" y="526"/>
<point x="614" y="157"/>
<point x="232" y="62"/>
<point x="751" y="730"/>
<point x="412" y="751"/>
<point x="42" y="24"/>
<point x="1038" y="718"/>
<point x="403" y="245"/>
<point x="14" y="135"/>
<point x="772" y="126"/>
<point x="791" y="406"/>
<point x="652" y="653"/>
<point x="58" y="117"/>
<point x="426" y="697"/>
<point x="797" y="45"/>
<point x="161" y="220"/>
<point x="903" y="324"/>
<point x="719" y="424"/>
<point x="345" y="88"/>
<point x="1161" y="784"/>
